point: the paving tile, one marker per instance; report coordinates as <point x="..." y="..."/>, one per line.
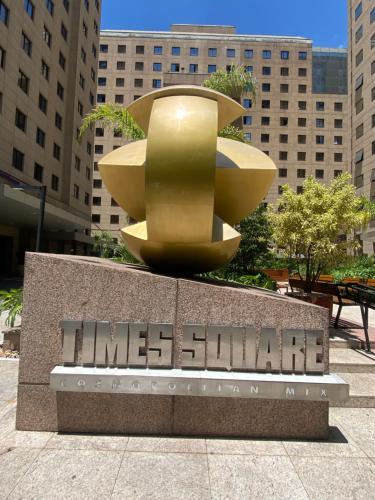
<point x="68" y="474"/>
<point x="360" y="424"/>
<point x="163" y="476"/>
<point x="166" y="444"/>
<point x="25" y="439"/>
<point x="87" y="442"/>
<point x="249" y="477"/>
<point x="8" y="419"/>
<point x="8" y="380"/>
<point x="14" y="462"/>
<point x="245" y="447"/>
<point x="336" y="478"/>
<point x="361" y="384"/>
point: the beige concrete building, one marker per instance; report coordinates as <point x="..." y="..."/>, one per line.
<point x="300" y="116"/>
<point x="361" y="70"/>
<point x="48" y="72"/>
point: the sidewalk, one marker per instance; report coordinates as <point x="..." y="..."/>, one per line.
<point x="45" y="465"/>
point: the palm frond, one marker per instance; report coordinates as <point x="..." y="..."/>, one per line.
<point x="232" y="83"/>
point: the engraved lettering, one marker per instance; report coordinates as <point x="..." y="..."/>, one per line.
<point x="289" y="391"/>
<point x="254" y="389"/>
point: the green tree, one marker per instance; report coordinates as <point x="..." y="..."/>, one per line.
<point x="316" y="227"/>
<point x="232" y="83"/>
<point x="104" y="245"/>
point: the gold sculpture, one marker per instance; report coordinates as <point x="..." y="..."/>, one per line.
<point x="185" y="185"/>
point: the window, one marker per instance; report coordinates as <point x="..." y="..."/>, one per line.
<point x="96" y="27"/>
<point x="266" y="104"/>
<point x="284" y="54"/>
<point x="20" y="120"/>
<point x="359" y="131"/>
<point x="193" y="68"/>
<point x="320" y="106"/>
<point x="302" y="105"/>
<point x="283" y="155"/>
<point x="80" y="108"/>
<point x="64" y="32"/>
<point x="211" y="68"/>
<point x="97" y="201"/>
<point x="81" y="81"/>
<point x="45" y="70"/>
<point x="4" y="13"/>
<point x="114" y="203"/>
<point x="119" y="99"/>
<point x="283" y="138"/>
<point x="231" y="52"/>
<point x="302" y="89"/>
<point x="302" y="55"/>
<point x="88" y="173"/>
<point x="266" y="87"/>
<point x="139" y="49"/>
<point x="99" y="132"/>
<point x="336" y="173"/>
<point x="247" y="103"/>
<point x="156" y="66"/>
<point x="212" y="52"/>
<point x="29" y="8"/>
<point x="97" y="183"/>
<point x="60" y="91"/>
<point x="283" y="172"/>
<point x="84" y="28"/>
<point x="158" y="50"/>
<point x="301" y="139"/>
<point x="26" y="44"/>
<point x="247" y="120"/>
<point x="338" y="156"/>
<point x="120" y="82"/>
<point x="40" y="137"/>
<point x="87" y="199"/>
<point x="89" y="148"/>
<point x="264" y="137"/>
<point x="102" y="81"/>
<point x="175" y="51"/>
<point x="284" y="104"/>
<point x="138" y="66"/>
<point x="77" y="163"/>
<point x="319" y="173"/>
<point x="337" y="140"/>
<point x="102" y="64"/>
<point x="283" y="121"/>
<point x="76" y="191"/>
<point x="43" y="104"/>
<point x="302" y="122"/>
<point x="319" y="156"/>
<point x="138" y="82"/>
<point x="114" y="219"/>
<point x="266" y="54"/>
<point x="338" y="106"/>
<point x="156" y="84"/>
<point x="194" y="51"/>
<point x="302" y="72"/>
<point x="265" y="120"/>
<point x="358" y="34"/>
<point x="38" y="172"/>
<point x="266" y="70"/>
<point x="93" y="50"/>
<point x="2" y="58"/>
<point x="100" y="98"/>
<point x="301" y="173"/>
<point x="284" y="88"/>
<point x="62" y="60"/>
<point x="358" y="11"/>
<point x="248" y="53"/>
<point x="83" y="55"/>
<point x="87" y="4"/>
<point x="280" y="190"/>
<point x="56" y="151"/>
<point x="98" y="149"/>
<point x="319" y="122"/>
<point x="372" y="15"/>
<point x="121" y="49"/>
<point x="301" y="156"/>
<point x="319" y="139"/>
<point x="120" y="65"/>
<point x="23" y="81"/>
<point x="337" y="123"/>
<point x="58" y="121"/>
<point x="284" y="71"/>
<point x="359" y="58"/>
<point x="95" y="218"/>
<point x="47" y="37"/>
<point x="18" y="159"/>
<point x="103" y="48"/>
<point x="248" y="69"/>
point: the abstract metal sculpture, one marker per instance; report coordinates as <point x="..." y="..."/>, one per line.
<point x="185" y="185"/>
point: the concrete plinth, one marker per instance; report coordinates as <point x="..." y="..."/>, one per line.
<point x="79" y="288"/>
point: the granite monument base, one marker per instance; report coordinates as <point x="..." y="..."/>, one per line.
<point x="57" y="287"/>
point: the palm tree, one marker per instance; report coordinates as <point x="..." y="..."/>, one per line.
<point x="232" y="83"/>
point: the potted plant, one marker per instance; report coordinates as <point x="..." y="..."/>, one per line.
<point x="316" y="227"/>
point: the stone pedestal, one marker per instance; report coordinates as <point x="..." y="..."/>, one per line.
<point x="82" y="288"/>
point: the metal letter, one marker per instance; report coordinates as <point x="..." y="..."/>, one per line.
<point x="238" y="355"/>
<point x="160" y="337"/>
<point x="193" y="346"/>
<point x="110" y="349"/>
<point x="88" y="343"/>
<point x="218" y="346"/>
<point x="314" y="351"/>
<point x="250" y="348"/>
<point x="70" y="328"/>
<point x="293" y="355"/>
<point x="137" y="344"/>
<point x="269" y="352"/>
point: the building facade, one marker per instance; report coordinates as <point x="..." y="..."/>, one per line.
<point x="299" y="118"/>
<point x="48" y="73"/>
<point x="361" y="70"/>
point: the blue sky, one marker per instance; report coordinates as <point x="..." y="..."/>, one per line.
<point x="322" y="20"/>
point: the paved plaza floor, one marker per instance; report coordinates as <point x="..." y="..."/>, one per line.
<point x="46" y="465"/>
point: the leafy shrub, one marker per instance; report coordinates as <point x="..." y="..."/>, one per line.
<point x="260" y="280"/>
<point x="11" y="302"/>
<point x="355" y="267"/>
